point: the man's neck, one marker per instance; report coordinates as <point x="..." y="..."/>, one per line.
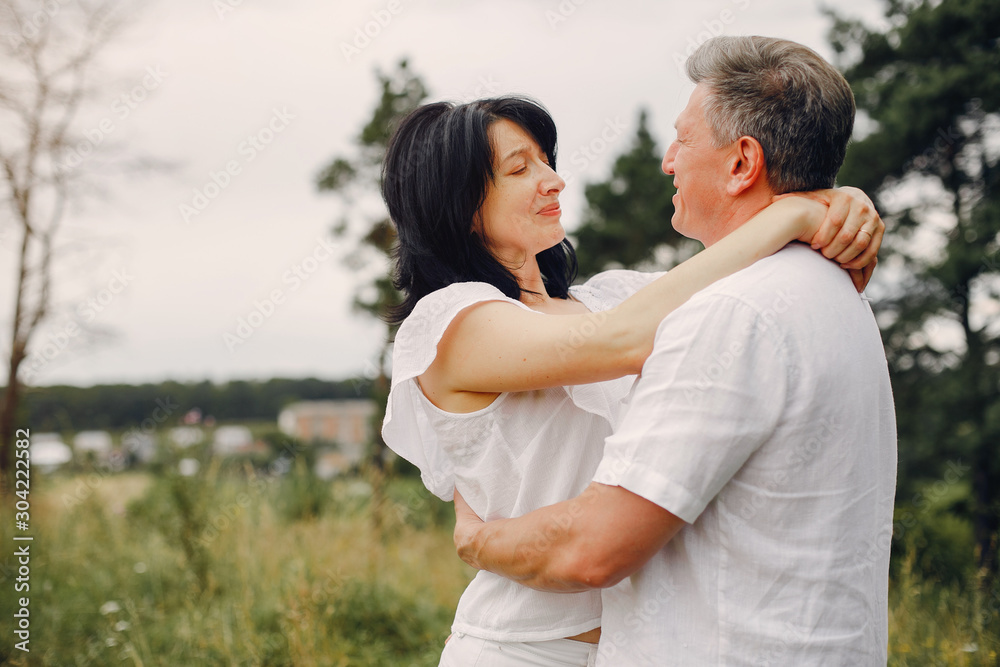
<point x="738" y="214"/>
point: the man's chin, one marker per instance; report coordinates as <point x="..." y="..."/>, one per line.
<point x="680" y="228"/>
<point x="677" y="222"/>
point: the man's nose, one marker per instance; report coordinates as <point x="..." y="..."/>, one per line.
<point x="668" y="160"/>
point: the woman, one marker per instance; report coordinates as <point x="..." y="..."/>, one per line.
<point x="506" y="380"/>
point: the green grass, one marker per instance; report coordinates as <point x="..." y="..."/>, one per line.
<point x="113" y="583"/>
<point x="932" y="624"/>
<point x="226" y="569"/>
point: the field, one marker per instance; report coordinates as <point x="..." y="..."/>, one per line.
<point x="233" y="568"/>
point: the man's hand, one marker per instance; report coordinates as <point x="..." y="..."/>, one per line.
<point x="591" y="541"/>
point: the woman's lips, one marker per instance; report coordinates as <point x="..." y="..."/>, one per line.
<point x="551" y="209"/>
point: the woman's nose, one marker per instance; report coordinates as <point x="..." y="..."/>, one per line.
<point x="552" y="181"/>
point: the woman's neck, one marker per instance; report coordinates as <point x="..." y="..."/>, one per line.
<point x="529" y="278"/>
<point x="533" y="292"/>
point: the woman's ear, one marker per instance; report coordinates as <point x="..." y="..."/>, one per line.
<point x="746" y="166"/>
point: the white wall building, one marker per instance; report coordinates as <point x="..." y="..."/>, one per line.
<point x="231" y="440"/>
<point x="346" y="423"/>
<point x="98" y="442"/>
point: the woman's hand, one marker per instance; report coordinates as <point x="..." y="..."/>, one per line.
<point x="466" y="524"/>
<point x="850" y="234"/>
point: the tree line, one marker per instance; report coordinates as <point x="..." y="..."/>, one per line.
<point x="63" y="408"/>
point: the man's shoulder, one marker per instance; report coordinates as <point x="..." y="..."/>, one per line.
<point x="788" y="290"/>
<point x="795" y="267"/>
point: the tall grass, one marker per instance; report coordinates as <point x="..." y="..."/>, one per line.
<point x="933" y="624"/>
<point x="177" y="571"/>
<point x="234" y="569"/>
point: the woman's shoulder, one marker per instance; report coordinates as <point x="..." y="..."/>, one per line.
<point x="456" y="293"/>
<point x="415" y="344"/>
<point x="434" y="311"/>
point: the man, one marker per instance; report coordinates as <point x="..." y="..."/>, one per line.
<point x="742" y="513"/>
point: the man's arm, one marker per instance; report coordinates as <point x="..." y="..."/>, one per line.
<point x="686" y="433"/>
<point x="592" y="541"/>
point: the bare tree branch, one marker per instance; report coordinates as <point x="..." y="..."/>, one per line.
<point x="50" y="52"/>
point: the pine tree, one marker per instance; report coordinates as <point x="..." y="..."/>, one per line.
<point x="402" y="92"/>
<point x="627" y="220"/>
<point x="928" y="90"/>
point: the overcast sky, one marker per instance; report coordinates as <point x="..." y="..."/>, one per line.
<point x="262" y="95"/>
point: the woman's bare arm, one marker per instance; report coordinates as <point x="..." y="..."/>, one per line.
<point x="496" y="347"/>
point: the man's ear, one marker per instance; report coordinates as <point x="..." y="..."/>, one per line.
<point x="746" y="166"/>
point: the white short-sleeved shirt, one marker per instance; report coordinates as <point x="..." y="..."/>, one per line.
<point x="764" y="419"/>
<point x="524" y="451"/>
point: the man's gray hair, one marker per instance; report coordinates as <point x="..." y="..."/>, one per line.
<point x="784" y="95"/>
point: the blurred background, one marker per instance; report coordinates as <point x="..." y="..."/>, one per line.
<point x="193" y="254"/>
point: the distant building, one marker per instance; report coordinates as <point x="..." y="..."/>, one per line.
<point x="330" y="464"/>
<point x="139" y="447"/>
<point x="346" y="423"/>
<point x="186" y="436"/>
<point x="232" y="440"/>
<point x="98" y="442"/>
<point x="49" y="452"/>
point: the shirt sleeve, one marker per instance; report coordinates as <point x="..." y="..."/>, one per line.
<point x="710" y="394"/>
<point x="407" y="428"/>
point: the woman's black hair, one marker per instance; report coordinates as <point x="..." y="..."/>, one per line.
<point x="437" y="168"/>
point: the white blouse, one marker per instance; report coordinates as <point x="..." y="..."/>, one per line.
<point x="524" y="451"/>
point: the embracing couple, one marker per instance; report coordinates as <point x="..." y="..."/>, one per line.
<point x="707" y="477"/>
